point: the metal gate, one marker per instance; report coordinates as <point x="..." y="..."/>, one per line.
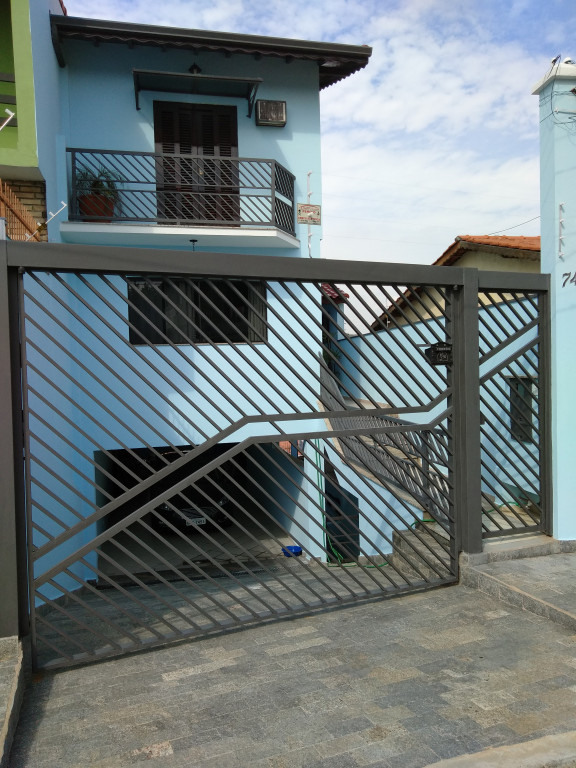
<point x="514" y="371"/>
<point x="213" y="441"/>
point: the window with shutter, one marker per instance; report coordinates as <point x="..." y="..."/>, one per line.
<point x="196" y="171"/>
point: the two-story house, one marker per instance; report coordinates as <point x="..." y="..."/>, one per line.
<point x="167" y="366"/>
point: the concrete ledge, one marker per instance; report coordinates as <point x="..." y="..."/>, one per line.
<point x="558" y="751"/>
<point x="518" y="547"/>
<point x="12" y="684"/>
<point x="509" y="595"/>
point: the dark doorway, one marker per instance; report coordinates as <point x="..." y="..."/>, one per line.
<point x="197" y="167"/>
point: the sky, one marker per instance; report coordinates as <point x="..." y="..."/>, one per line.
<point x="436" y="137"/>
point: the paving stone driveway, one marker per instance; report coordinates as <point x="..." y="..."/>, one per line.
<point x="389" y="684"/>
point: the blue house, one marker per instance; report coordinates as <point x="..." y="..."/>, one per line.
<point x="216" y="427"/>
<point x="207" y="137"/>
<point x="176" y="366"/>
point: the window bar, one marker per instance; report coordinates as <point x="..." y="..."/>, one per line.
<point x="243" y="356"/>
<point x="87" y="414"/>
<point x="232" y="557"/>
<point x="333" y="343"/>
<point x="102" y="594"/>
<point x="110" y="347"/>
<point x="75" y="620"/>
<point x="360" y="493"/>
<point x="383" y="345"/>
<point x="224" y="394"/>
<point x="194" y="584"/>
<point x="134" y="577"/>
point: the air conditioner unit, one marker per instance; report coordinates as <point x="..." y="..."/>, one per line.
<point x="271" y="113"/>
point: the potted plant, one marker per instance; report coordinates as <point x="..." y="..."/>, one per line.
<point x="97" y="193"/>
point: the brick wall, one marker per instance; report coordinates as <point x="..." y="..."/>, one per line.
<point x="32" y="194"/>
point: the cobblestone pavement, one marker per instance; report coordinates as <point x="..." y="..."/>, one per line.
<point x="389" y="684"/>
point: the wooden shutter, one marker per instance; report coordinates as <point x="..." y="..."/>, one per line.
<point x="195" y="129"/>
<point x="192" y="185"/>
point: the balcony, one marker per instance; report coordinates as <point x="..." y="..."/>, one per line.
<point x="143" y="198"/>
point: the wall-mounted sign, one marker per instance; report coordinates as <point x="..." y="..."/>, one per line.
<point x="439" y="354"/>
<point x="308" y="214"/>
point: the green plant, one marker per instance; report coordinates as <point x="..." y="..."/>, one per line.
<point x="98" y="181"/>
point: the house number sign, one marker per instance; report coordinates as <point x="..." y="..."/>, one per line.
<point x="439" y="354"/>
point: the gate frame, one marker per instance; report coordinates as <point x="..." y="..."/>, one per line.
<point x="465" y="282"/>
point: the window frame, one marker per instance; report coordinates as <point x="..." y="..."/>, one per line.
<point x="194" y="311"/>
<point x="521" y="411"/>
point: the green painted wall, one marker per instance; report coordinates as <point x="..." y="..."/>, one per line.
<point x="18" y="147"/>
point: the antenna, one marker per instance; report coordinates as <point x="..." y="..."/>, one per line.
<point x="48" y="220"/>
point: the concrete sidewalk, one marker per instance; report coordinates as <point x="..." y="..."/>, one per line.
<point x="438" y="677"/>
<point x="12" y="685"/>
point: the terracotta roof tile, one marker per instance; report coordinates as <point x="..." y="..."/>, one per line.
<point x="514" y="242"/>
<point x="506" y="241"/>
<point x="332" y="292"/>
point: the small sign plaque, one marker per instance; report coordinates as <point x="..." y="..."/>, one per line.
<point x="308" y="214"/>
<point x="439" y="354"/>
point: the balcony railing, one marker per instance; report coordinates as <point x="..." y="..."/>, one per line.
<point x="180" y="190"/>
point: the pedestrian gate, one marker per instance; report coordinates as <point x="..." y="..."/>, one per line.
<point x="211" y="441"/>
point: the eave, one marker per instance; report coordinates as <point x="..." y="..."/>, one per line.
<point x="335" y="61"/>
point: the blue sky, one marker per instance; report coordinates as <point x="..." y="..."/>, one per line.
<point x="437" y="137"/>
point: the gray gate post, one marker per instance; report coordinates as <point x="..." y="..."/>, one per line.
<point x="466" y="420"/>
<point x="9" y="624"/>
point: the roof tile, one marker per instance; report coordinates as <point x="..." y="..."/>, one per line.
<point x="506" y="241"/>
<point x="514" y="242"/>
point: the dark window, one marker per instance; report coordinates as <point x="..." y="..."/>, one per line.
<point x="186" y="311"/>
<point x="521" y="408"/>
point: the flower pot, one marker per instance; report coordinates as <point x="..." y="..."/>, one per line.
<point x="96" y="207"/>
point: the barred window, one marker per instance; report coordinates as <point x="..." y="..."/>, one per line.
<point x="189" y="311"/>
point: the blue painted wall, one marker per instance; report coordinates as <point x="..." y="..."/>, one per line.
<point x="47" y="78"/>
<point x="558" y="214"/>
<point x="98" y="111"/>
<point x="381" y="367"/>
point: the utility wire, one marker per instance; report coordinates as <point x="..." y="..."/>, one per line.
<point x="514" y="227"/>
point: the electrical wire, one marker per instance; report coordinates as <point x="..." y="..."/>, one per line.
<point x="514" y="227"/>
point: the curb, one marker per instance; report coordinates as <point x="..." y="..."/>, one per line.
<point x="14" y="670"/>
<point x="558" y="751"/>
<point x="515" y="597"/>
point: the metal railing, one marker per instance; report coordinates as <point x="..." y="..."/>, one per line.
<point x="20" y="224"/>
<point x="180" y="189"/>
<point x="402" y="459"/>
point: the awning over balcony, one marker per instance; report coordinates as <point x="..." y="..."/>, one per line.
<point x="205" y="85"/>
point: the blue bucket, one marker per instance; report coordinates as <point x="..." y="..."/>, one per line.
<point x="292" y="551"/>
